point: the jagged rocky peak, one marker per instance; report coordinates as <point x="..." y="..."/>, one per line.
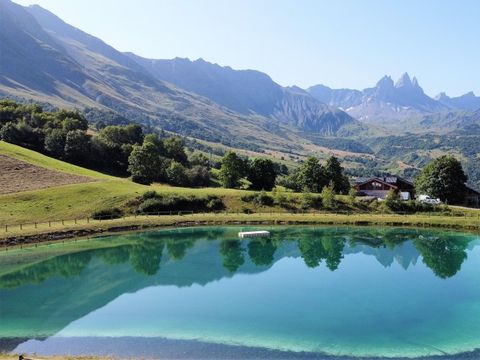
<point x="442" y="96"/>
<point x="385" y="82"/>
<point x="415" y="82"/>
<point x="404" y="81"/>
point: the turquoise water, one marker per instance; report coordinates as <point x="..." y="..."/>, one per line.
<point x="339" y="291"/>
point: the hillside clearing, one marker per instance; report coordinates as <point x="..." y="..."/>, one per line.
<point x="17" y="175"/>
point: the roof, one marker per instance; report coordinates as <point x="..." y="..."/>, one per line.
<point x="389" y="180"/>
<point x="377" y="180"/>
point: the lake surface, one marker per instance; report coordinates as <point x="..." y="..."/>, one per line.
<point x="306" y="292"/>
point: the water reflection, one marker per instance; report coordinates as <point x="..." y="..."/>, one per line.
<point x="442" y="253"/>
<point x="44" y="290"/>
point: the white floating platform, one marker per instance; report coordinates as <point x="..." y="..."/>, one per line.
<point x="249" y="234"/>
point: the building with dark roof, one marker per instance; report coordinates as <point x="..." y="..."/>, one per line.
<point x="380" y="186"/>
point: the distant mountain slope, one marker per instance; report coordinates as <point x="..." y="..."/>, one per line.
<point x="249" y="92"/>
<point x="387" y="101"/>
<point x="47" y="60"/>
<point x="23" y="39"/>
<point x="44" y="59"/>
<point x="467" y="101"/>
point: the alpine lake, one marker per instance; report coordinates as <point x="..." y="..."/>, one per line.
<point x="303" y="292"/>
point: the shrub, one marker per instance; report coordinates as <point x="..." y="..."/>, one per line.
<point x="281" y="199"/>
<point x="261" y="198"/>
<point x="113" y="213"/>
<point x="151" y="194"/>
<point x="159" y="204"/>
<point x="214" y="203"/>
<point x="310" y="201"/>
<point x="140" y="179"/>
<point x="328" y="197"/>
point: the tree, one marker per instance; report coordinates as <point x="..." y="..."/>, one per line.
<point x="443" y="178"/>
<point x="70" y="124"/>
<point x="200" y="160"/>
<point x="77" y="146"/>
<point x="334" y="174"/>
<point x="392" y="199"/>
<point x="55" y="142"/>
<point x="262" y="174"/>
<point x="311" y="175"/>
<point x="199" y="176"/>
<point x="177" y="174"/>
<point x="352" y="196"/>
<point x="328" y="196"/>
<point x="119" y="135"/>
<point x="232" y="170"/>
<point x="175" y="149"/>
<point x="155" y="140"/>
<point x="144" y="163"/>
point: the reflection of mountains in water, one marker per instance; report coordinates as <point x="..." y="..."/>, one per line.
<point x="73" y="285"/>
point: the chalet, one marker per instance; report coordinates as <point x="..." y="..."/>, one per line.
<point x="380" y="186"/>
<point x="472" y="196"/>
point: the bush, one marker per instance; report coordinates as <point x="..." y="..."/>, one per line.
<point x="159" y="204"/>
<point x="310" y="201"/>
<point x="328" y="196"/>
<point x="113" y="213"/>
<point x="140" y="179"/>
<point x="151" y="194"/>
<point x="261" y="198"/>
<point x="214" y="203"/>
<point x="281" y="199"/>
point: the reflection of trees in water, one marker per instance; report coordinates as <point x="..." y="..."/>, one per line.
<point x="177" y="248"/>
<point x="330" y="249"/>
<point x="444" y="255"/>
<point x="232" y="253"/>
<point x="261" y="251"/>
<point x="145" y="257"/>
<point x="114" y="256"/>
<point x="65" y="265"/>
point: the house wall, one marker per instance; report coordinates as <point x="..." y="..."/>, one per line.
<point x="375" y="193"/>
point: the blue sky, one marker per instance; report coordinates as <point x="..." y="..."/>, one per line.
<point x="340" y="43"/>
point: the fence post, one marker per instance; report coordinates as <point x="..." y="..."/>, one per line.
<point x="21" y="227"/>
<point x="63" y="223"/>
<point x="88" y="220"/>
<point x="35" y="225"/>
<point x="49" y="224"/>
<point x="75" y="221"/>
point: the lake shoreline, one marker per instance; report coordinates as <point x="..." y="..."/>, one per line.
<point x="39" y="235"/>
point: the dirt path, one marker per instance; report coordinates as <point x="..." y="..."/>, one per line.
<point x="17" y="175"/>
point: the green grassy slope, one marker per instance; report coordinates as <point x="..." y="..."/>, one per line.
<point x="80" y="200"/>
<point x="38" y="159"/>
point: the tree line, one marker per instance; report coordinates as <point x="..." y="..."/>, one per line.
<point x="127" y="150"/>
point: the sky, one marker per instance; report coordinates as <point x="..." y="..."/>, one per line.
<point x="339" y="43"/>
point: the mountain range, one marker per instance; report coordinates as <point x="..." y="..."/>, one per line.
<point x="44" y="59"/>
<point x="389" y="102"/>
